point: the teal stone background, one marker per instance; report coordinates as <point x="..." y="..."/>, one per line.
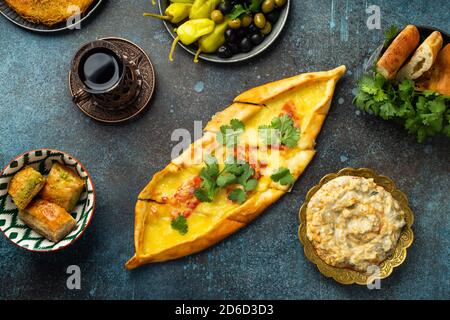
<point x="265" y="260"/>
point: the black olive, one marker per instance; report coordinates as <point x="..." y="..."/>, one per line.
<point x="226" y="6"/>
<point x="246" y="45"/>
<point x="234" y="47"/>
<point x="230" y="35"/>
<point x="252" y="29"/>
<point x="224" y="52"/>
<point x="273" y="16"/>
<point x="241" y="33"/>
<point x="257" y="38"/>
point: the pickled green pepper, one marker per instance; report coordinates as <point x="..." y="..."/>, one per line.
<point x="174" y="13"/>
<point x="202" y="8"/>
<point x="211" y="42"/>
<point x="191" y="31"/>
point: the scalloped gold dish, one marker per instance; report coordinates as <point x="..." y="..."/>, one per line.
<point x="349" y="276"/>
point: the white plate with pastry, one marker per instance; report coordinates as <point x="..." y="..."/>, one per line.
<point x="47" y="200"/>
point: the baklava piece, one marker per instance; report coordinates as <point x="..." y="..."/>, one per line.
<point x="63" y="187"/>
<point x="48" y="219"/>
<point x="25" y="185"/>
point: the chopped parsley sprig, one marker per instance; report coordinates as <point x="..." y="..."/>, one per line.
<point x="229" y="134"/>
<point x="283" y="176"/>
<point x="180" y="224"/>
<point x="240" y="9"/>
<point x="209" y="175"/>
<point x="235" y="172"/>
<point x="389" y="35"/>
<point x="281" y="131"/>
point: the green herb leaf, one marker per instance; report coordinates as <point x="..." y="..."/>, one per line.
<point x="225" y="180"/>
<point x="180" y="224"/>
<point x="423" y="114"/>
<point x="208" y="174"/>
<point x="234" y="172"/>
<point x="237" y="195"/>
<point x="203" y="195"/>
<point x="255" y="5"/>
<point x="237" y="11"/>
<point x="389" y="35"/>
<point x="251" y="185"/>
<point x="283" y="176"/>
<point x="281" y="130"/>
<point x="229" y="134"/>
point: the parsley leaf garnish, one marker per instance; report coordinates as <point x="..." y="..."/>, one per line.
<point x="237" y="195"/>
<point x="237" y="11"/>
<point x="180" y="224"/>
<point x="240" y="9"/>
<point x="389" y="35"/>
<point x="235" y="172"/>
<point x="208" y="174"/>
<point x="283" y="176"/>
<point x="423" y="114"/>
<point x="229" y="134"/>
<point x="255" y="5"/>
<point x="280" y="131"/>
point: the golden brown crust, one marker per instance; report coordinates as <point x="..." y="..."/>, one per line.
<point x="423" y="59"/>
<point x="296" y="166"/>
<point x="262" y="94"/>
<point x="48" y="219"/>
<point x="48" y="12"/>
<point x="220" y="231"/>
<point x="398" y="52"/>
<point x="240" y="111"/>
<point x="233" y="221"/>
<point x="25" y="185"/>
<point x="437" y="79"/>
<point x="63" y="187"/>
<point x="235" y="216"/>
<point x="311" y="126"/>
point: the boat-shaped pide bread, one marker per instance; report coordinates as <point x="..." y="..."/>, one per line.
<point x="218" y="185"/>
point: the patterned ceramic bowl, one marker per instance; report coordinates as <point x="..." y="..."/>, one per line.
<point x="348" y="276"/>
<point x="10" y="224"/>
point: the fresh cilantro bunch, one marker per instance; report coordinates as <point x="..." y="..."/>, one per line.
<point x="280" y="131"/>
<point x="234" y="172"/>
<point x="229" y="134"/>
<point x="423" y="114"/>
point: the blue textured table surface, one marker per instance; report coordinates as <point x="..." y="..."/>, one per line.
<point x="264" y="260"/>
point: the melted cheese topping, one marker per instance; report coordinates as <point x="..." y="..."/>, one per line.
<point x="159" y="234"/>
<point x="353" y="223"/>
<point x="299" y="104"/>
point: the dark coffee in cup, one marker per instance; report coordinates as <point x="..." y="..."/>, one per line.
<point x="100" y="70"/>
<point x="106" y="76"/>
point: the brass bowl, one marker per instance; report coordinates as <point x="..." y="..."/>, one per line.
<point x="348" y="276"/>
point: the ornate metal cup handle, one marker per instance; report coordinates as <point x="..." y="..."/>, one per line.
<point x="80" y="96"/>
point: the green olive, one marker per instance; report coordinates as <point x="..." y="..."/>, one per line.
<point x="280" y="3"/>
<point x="268" y="6"/>
<point x="235" y="24"/>
<point x="217" y="16"/>
<point x="246" y="20"/>
<point x="260" y="20"/>
<point x="267" y="28"/>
